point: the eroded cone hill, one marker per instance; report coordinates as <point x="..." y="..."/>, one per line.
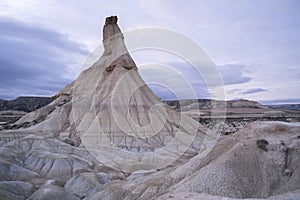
<point x="107" y="136"/>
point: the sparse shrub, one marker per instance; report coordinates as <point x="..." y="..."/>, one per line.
<point x="262" y="144"/>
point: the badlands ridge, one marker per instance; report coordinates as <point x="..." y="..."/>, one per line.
<point x="107" y="136"/>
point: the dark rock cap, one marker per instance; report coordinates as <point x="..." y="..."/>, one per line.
<point x="111" y="28"/>
<point x="111" y="20"/>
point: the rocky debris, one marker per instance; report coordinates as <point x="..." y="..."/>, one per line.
<point x="26" y="104"/>
<point x="229" y="126"/>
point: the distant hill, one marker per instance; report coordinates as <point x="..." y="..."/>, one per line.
<point x="285" y="106"/>
<point x="208" y="104"/>
<point x="26" y="104"/>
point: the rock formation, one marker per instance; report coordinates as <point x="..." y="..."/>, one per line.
<point x="107" y="136"/>
<point x="111" y="104"/>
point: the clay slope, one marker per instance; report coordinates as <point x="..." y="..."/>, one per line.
<point x="261" y="161"/>
<point x="43" y="167"/>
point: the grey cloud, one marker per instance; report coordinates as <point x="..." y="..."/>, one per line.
<point x="17" y="30"/>
<point x="230" y="74"/>
<point x="239" y="91"/>
<point x="234" y="73"/>
<point x="35" y="60"/>
<point x="254" y="90"/>
<point x="183" y="79"/>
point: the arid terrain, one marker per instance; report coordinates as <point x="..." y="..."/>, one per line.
<point x="106" y="135"/>
<point x="239" y="113"/>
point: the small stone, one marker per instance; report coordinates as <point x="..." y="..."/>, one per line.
<point x="288" y="172"/>
<point x="262" y="144"/>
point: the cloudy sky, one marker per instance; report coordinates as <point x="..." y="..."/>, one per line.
<point x="254" y="44"/>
